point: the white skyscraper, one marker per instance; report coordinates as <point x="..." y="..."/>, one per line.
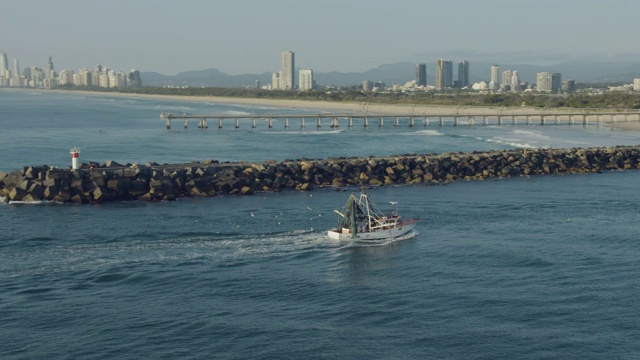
<point x="548" y="82"/>
<point x="275" y="81"/>
<point x="287" y="71"/>
<point x="506" y="78"/>
<point x="65" y="77"/>
<point x="515" y="81"/>
<point x="16" y="67"/>
<point x="4" y="66"/>
<point x="495" y="77"/>
<point x="16" y="81"/>
<point x="85" y="77"/>
<point x="306" y="79"/>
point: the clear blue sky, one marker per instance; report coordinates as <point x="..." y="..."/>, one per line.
<point x="247" y="36"/>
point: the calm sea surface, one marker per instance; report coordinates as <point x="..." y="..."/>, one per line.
<point x="522" y="268"/>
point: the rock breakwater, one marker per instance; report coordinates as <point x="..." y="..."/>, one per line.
<point x="95" y="183"/>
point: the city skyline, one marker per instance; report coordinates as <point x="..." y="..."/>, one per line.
<point x="237" y="38"/>
<point x="545" y="81"/>
<point x="285" y="79"/>
<point x="35" y="77"/>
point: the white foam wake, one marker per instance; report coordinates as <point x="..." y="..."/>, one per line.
<point x="305" y="132"/>
<point x="511" y="142"/>
<point x="383" y="242"/>
<point x="424" y="133"/>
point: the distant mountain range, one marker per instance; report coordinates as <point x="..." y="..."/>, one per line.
<point x="402" y="72"/>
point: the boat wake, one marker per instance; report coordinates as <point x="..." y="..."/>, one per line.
<point x="221" y="250"/>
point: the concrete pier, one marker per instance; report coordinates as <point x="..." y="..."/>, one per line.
<point x="496" y="117"/>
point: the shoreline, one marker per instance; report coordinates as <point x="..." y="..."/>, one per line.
<point x="321" y="105"/>
<point x="329" y="106"/>
<point x="276" y="103"/>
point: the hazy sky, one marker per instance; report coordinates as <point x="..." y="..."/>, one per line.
<point x="247" y="36"/>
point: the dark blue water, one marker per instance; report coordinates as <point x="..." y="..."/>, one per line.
<point x="527" y="268"/>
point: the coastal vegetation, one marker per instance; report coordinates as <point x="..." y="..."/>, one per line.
<point x="618" y="100"/>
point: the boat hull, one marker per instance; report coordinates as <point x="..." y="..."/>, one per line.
<point x="392" y="233"/>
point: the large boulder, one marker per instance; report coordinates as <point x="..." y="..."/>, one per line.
<point x="11" y="180"/>
<point x="305" y="187"/>
<point x="224" y="187"/>
<point x="78" y="185"/>
<point x="79" y="199"/>
<point x="36" y="190"/>
<point x="138" y="187"/>
<point x="102" y="194"/>
<point x="17" y="194"/>
<point x="58" y="174"/>
<point x="50" y="192"/>
<point x="63" y="196"/>
<point x="30" y="172"/>
<point x="112" y="164"/>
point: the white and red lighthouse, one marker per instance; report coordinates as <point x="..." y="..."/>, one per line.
<point x="75" y="152"/>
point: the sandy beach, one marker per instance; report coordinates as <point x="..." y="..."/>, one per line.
<point x="323" y="106"/>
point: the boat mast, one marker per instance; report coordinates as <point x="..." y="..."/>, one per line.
<point x="352" y="216"/>
<point x="364" y="199"/>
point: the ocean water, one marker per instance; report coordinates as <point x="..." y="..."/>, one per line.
<point x="526" y="268"/>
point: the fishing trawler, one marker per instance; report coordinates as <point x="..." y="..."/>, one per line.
<point x="361" y="220"/>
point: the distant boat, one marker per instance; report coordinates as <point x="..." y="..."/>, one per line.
<point x="361" y="220"/>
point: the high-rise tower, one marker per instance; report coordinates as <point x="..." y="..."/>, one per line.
<point x="287" y="71"/>
<point x="548" y="82"/>
<point x="515" y="81"/>
<point x="506" y="78"/>
<point x="421" y="74"/>
<point x="49" y="74"/>
<point x="444" y="74"/>
<point x="4" y="66"/>
<point x="463" y="73"/>
<point x="16" y="67"/>
<point x="306" y="79"/>
<point x="16" y="80"/>
<point x="495" y="77"/>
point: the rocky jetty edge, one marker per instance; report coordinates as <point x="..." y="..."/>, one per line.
<point x="97" y="183"/>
